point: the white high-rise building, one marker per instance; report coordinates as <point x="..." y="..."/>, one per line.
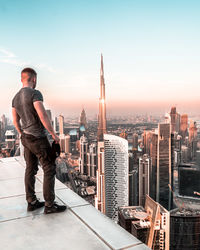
<point x="112" y="175"/>
<point x="116" y="174"/>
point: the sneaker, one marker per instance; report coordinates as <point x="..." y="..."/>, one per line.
<point x="55" y="208"/>
<point x="35" y="205"/>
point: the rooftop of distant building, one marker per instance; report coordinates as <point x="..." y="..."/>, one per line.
<point x="81" y="226"/>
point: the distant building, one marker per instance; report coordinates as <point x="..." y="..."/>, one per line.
<point x="192" y="131"/>
<point x="82" y="120"/>
<point x="147" y="140"/>
<point x="184" y="229"/>
<point x="135" y="141"/>
<point x="145" y="168"/>
<point x="4" y="123"/>
<point x="112" y="175"/>
<point x="92" y="160"/>
<point x="133" y="187"/>
<point x="159" y="234"/>
<point x="175" y="120"/>
<point x="62" y="143"/>
<point x="82" y="131"/>
<point x="83" y="155"/>
<point x="127" y="214"/>
<point x="161" y="154"/>
<point x="67" y="144"/>
<point x="189" y="180"/>
<point x="124" y="135"/>
<point x="61" y="124"/>
<point x="185" y="154"/>
<point x="10" y="138"/>
<point x="150" y="224"/>
<point x="193" y="140"/>
<point x="184" y="126"/>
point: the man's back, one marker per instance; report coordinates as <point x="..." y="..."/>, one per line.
<point x="23" y="103"/>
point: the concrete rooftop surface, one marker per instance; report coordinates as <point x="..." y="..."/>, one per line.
<point x="81" y="226"/>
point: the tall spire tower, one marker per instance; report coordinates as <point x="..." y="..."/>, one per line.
<point x="102" y="106"/>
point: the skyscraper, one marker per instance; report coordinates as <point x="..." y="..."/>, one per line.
<point x="161" y="164"/>
<point x="62" y="143"/>
<point x="193" y="140"/>
<point x="83" y="155"/>
<point x="92" y="159"/>
<point x="175" y="120"/>
<point x="116" y="174"/>
<point x="102" y="106"/>
<point x="112" y="175"/>
<point x="100" y="196"/>
<point x="184" y="125"/>
<point x="67" y="144"/>
<point x="83" y="121"/>
<point x="144" y="178"/>
<point x="61" y="124"/>
<point x="192" y="131"/>
<point x="135" y="141"/>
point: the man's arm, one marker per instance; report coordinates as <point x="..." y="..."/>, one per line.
<point x="39" y="107"/>
<point x="16" y="120"/>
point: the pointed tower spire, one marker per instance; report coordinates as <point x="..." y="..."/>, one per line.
<point x="102" y="105"/>
<point x="102" y="73"/>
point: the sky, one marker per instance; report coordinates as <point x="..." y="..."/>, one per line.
<point x="151" y="53"/>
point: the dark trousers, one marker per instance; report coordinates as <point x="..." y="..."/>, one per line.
<point x="39" y="149"/>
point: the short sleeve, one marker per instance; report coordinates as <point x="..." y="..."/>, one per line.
<point x="37" y="96"/>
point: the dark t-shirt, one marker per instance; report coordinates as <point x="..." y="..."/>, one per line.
<point x="23" y="103"/>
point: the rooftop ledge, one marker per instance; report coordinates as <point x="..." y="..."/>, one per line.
<point x="81" y="226"/>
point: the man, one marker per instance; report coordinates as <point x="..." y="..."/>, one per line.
<point x="27" y="107"/>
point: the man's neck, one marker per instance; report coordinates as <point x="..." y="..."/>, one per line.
<point x="27" y="85"/>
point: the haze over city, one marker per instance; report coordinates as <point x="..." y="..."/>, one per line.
<point x="151" y="54"/>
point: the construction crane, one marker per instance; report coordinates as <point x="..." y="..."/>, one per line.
<point x="180" y="206"/>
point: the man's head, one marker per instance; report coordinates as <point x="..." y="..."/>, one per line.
<point x="29" y="77"/>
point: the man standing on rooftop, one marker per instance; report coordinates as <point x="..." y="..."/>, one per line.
<point x="31" y="120"/>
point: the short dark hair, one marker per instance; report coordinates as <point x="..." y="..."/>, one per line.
<point x="29" y="71"/>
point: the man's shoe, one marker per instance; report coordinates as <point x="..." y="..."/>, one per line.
<point x="35" y="205"/>
<point x="55" y="208"/>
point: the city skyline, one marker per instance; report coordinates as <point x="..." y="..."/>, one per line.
<point x="150" y="50"/>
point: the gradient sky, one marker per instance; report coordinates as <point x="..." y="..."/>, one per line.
<point x="151" y="53"/>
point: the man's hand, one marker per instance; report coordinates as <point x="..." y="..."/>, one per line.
<point x="56" y="138"/>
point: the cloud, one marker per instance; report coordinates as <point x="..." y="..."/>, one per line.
<point x="45" y="67"/>
<point x="6" y="53"/>
<point x="9" y="57"/>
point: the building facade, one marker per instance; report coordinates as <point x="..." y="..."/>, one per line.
<point x="116" y="174"/>
<point x="145" y="167"/>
